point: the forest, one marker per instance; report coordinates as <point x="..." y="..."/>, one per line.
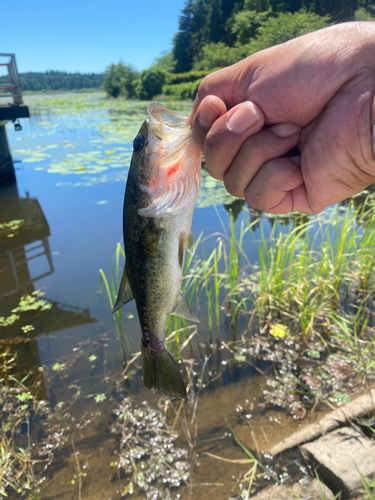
<point x="57" y="80"/>
<point x="216" y="33"/>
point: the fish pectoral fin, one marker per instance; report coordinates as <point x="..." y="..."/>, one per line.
<point x="125" y="293"/>
<point x="190" y="243"/>
<point x="160" y="370"/>
<point x="182" y="310"/>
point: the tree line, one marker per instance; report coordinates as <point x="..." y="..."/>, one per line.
<point x="58" y="80"/>
<point x="213" y="34"/>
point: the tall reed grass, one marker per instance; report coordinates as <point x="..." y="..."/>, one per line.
<point x="112" y="289"/>
<point x="307" y="275"/>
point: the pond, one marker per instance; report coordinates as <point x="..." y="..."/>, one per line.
<point x="77" y="419"/>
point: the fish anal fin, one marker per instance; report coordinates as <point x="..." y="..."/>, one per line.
<point x="125" y="293"/>
<point x="190" y="243"/>
<point x="182" y="310"/>
<point x="160" y="370"/>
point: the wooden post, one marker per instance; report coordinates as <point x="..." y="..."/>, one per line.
<point x="5" y="155"/>
<point x="6" y="162"/>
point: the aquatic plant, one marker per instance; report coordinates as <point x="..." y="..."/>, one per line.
<point x="9" y="228"/>
<point x="148" y="455"/>
<point x="29" y="302"/>
<point x="112" y="294"/>
<point x="26" y="450"/>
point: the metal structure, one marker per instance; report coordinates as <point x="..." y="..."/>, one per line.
<point x="14" y="81"/>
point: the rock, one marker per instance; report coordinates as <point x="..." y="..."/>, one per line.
<point x="360" y="407"/>
<point x="311" y="491"/>
<point x="338" y="456"/>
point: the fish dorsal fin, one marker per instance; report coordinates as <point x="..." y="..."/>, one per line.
<point x="182" y="310"/>
<point x="125" y="293"/>
<point x="190" y="243"/>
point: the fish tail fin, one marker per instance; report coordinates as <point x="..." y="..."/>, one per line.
<point x="160" y="370"/>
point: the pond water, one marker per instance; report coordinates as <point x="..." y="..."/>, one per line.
<point x="71" y="160"/>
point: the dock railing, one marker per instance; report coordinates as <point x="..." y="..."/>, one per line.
<point x="14" y="82"/>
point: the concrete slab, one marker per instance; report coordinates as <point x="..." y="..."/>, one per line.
<point x="338" y="456"/>
<point x="312" y="491"/>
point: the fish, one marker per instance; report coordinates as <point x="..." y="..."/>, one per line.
<point x="161" y="191"/>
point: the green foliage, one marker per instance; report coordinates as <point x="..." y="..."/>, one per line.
<point x="119" y="80"/>
<point x="246" y="23"/>
<point x="231" y="23"/>
<point x="183" y="86"/>
<point x="58" y="80"/>
<point x="99" y="398"/>
<point x="181" y="91"/>
<point x="191" y="34"/>
<point x="218" y="55"/>
<point x="268" y="31"/>
<point x="165" y="61"/>
<point x="150" y="83"/>
<point x="190" y="76"/>
<point x="362" y="14"/>
<point x="286" y="26"/>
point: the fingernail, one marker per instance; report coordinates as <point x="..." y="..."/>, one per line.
<point x="208" y="113"/>
<point x="244" y="117"/>
<point x="286" y="129"/>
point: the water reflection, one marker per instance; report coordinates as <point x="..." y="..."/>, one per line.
<point x="24" y="237"/>
<point x="30" y="240"/>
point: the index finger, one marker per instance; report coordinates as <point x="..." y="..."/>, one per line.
<point x="219" y="84"/>
<point x="209" y="110"/>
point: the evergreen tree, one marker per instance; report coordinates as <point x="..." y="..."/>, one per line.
<point x="190" y="36"/>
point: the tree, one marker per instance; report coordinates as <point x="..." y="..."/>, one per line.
<point x="218" y="55"/>
<point x="190" y="36"/>
<point x="150" y="83"/>
<point x="362" y="14"/>
<point x="119" y="80"/>
<point x="286" y="26"/>
<point x="246" y="23"/>
<point x="165" y="62"/>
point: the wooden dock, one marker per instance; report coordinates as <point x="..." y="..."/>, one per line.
<point x="10" y="111"/>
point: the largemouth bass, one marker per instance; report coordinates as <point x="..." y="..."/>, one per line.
<point x="162" y="187"/>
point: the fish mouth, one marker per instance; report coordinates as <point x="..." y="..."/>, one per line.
<point x="173" y="162"/>
<point x="164" y="122"/>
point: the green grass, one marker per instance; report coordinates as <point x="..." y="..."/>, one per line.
<point x="112" y="289"/>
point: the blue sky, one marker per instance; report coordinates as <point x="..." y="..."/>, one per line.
<point x="87" y="35"/>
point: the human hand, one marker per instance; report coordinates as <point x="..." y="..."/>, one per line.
<point x="315" y="92"/>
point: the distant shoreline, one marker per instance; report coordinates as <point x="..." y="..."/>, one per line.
<point x="55" y="92"/>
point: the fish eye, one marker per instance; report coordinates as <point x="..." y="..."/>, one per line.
<point x="138" y="143"/>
